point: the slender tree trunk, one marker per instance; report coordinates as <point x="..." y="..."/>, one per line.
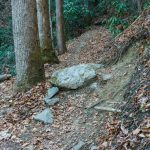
<point x="51" y="23"/>
<point x="29" y="66"/>
<point x="89" y="4"/>
<point x="60" y="27"/>
<point x="139" y="6"/>
<point x="48" y="54"/>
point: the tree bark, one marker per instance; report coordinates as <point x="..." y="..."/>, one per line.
<point x="60" y="27"/>
<point x="137" y="5"/>
<point x="48" y="54"/>
<point x="51" y="23"/>
<point x="29" y="66"/>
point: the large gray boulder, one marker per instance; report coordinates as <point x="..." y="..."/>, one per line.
<point x="94" y="87"/>
<point x="75" y="76"/>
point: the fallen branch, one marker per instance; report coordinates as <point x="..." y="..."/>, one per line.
<point x="95" y="104"/>
<point x="107" y="109"/>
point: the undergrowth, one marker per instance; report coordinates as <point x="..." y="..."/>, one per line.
<point x="7" y="55"/>
<point x="78" y="16"/>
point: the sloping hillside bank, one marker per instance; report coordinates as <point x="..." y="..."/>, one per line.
<point x="112" y="114"/>
<point x="131" y="128"/>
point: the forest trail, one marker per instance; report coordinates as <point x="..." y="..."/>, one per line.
<point x="81" y="117"/>
<point x="89" y="109"/>
<point x="83" y="49"/>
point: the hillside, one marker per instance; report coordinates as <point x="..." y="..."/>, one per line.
<point x="105" y="115"/>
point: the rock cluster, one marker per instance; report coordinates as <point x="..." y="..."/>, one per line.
<point x="46" y="116"/>
<point x="71" y="78"/>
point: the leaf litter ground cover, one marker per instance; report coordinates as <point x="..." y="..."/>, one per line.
<point x="73" y="121"/>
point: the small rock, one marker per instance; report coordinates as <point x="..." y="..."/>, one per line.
<point x="30" y="147"/>
<point x="4" y="135"/>
<point x="106" y="77"/>
<point x="51" y="101"/>
<point x="94" y="148"/>
<point x="94" y="87"/>
<point x="52" y="91"/>
<point x="79" y="146"/>
<point x="45" y="116"/>
<point x="3" y="111"/>
<point x="26" y="136"/>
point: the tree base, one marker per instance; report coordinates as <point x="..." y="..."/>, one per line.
<point x="49" y="58"/>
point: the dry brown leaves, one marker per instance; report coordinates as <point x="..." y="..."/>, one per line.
<point x="21" y="107"/>
<point x="124" y="133"/>
<point x="85" y="49"/>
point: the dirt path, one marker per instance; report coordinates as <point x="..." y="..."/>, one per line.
<point x="76" y="119"/>
<point x="84" y="49"/>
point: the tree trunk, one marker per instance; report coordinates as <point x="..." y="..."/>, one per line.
<point x="60" y="27"/>
<point x="48" y="54"/>
<point x="137" y="5"/>
<point x="29" y="66"/>
<point x="51" y="23"/>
